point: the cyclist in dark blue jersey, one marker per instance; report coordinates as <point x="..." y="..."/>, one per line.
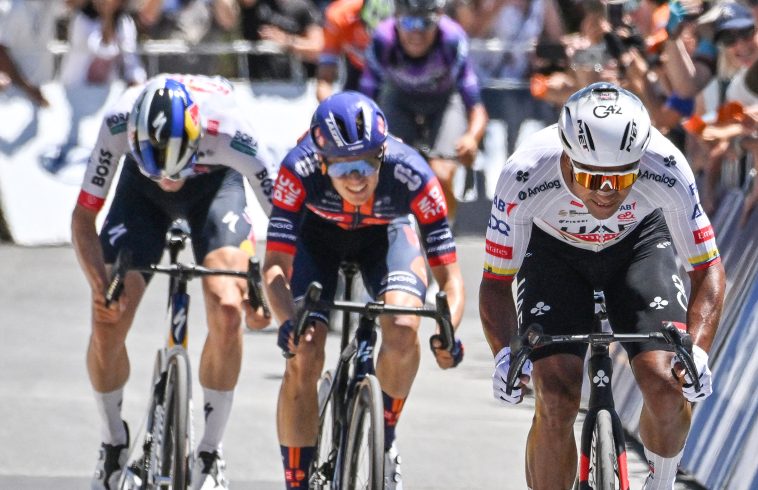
<point x="418" y="69"/>
<point x="345" y="193"/>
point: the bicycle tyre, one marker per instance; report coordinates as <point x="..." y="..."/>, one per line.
<point x="322" y="468"/>
<point x="603" y="457"/>
<point x="174" y="448"/>
<point x="365" y="434"/>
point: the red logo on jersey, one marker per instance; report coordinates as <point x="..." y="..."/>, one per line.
<point x="628" y="216"/>
<point x="509" y="207"/>
<point x="289" y="192"/>
<point x="430" y="205"/>
<point x="498" y="250"/>
<point x="577" y="204"/>
<point x="703" y="234"/>
<point x="213" y="127"/>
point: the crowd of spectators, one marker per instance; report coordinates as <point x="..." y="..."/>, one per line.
<point x="694" y="63"/>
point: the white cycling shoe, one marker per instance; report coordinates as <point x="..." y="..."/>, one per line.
<point x="208" y="472"/>
<point x="393" y="477"/>
<point x="110" y="464"/>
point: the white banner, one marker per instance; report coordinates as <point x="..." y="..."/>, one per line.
<point x="43" y="152"/>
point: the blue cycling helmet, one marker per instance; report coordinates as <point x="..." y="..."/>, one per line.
<point x="348" y="124"/>
<point x="164" y="130"/>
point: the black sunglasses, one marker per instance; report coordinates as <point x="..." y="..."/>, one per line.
<point x="730" y="37"/>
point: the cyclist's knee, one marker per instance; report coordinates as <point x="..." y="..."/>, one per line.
<point x="400" y="335"/>
<point x="660" y="390"/>
<point x="305" y="368"/>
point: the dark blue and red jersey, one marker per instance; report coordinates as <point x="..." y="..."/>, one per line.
<point x="445" y="67"/>
<point x="406" y="186"/>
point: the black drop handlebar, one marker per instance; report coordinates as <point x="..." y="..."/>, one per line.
<point x="534" y="337"/>
<point x="184" y="273"/>
<point x="312" y="302"/>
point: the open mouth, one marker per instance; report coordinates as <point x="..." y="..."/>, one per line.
<point x="601" y="205"/>
<point x="357" y="190"/>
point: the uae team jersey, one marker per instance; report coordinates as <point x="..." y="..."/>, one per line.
<point x="406" y="185"/>
<point x="531" y="191"/>
<point x="228" y="141"/>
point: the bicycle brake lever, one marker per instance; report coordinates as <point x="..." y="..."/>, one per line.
<point x="118" y="274"/>
<point x="682" y="342"/>
<point x="311" y="298"/>
<point x="255" y="296"/>
<point x="447" y="334"/>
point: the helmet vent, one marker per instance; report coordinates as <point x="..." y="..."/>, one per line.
<point x="590" y="141"/>
<point x="360" y="124"/>
<point x="626" y="134"/>
<point x="565" y="141"/>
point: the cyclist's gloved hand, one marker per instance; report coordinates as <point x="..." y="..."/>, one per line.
<point x="704" y="373"/>
<point x="444" y="358"/>
<point x="500" y="378"/>
<point x="283" y="339"/>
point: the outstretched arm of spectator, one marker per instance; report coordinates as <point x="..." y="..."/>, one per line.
<point x="8" y="66"/>
<point x="226" y="13"/>
<point x="307" y="47"/>
<point x="687" y="76"/>
<point x="149" y="12"/>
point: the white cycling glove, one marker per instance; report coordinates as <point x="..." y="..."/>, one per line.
<point x="704" y="373"/>
<point x="500" y="378"/>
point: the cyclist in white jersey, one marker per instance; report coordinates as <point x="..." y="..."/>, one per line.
<point x="187" y="146"/>
<point x="595" y="202"/>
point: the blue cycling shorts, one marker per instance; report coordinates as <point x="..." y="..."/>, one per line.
<point x="389" y="258"/>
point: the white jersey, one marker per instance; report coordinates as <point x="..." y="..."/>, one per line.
<point x="228" y="140"/>
<point x="531" y="191"/>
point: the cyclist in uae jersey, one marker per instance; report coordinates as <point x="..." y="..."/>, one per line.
<point x="419" y="71"/>
<point x="348" y="25"/>
<point x="600" y="201"/>
<point x="344" y="193"/>
<point x="186" y="146"/>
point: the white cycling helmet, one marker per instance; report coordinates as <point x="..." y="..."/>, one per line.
<point x="604" y="125"/>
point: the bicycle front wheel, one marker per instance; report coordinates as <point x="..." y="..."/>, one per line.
<point x="322" y="467"/>
<point x="174" y="450"/>
<point x="363" y="460"/>
<point x="604" y="469"/>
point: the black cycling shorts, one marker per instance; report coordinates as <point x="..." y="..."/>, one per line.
<point x="213" y="205"/>
<point x="638" y="275"/>
<point x="389" y="258"/>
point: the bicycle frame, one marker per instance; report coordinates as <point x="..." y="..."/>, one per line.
<point x="356" y="352"/>
<point x="600" y="372"/>
<point x="147" y="470"/>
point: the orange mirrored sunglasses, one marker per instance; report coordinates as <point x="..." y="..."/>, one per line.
<point x="596" y="180"/>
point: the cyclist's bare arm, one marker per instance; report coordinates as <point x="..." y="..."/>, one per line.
<point x="277" y="268"/>
<point x="706" y="300"/>
<point x="450" y="280"/>
<point x="468" y="144"/>
<point x="87" y="247"/>
<point x="497" y="312"/>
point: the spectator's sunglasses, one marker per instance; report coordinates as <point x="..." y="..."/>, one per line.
<point x="417" y="23"/>
<point x="730" y="37"/>
<point x="596" y="180"/>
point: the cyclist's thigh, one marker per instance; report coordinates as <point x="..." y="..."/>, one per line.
<point x="551" y="292"/>
<point x="317" y="258"/>
<point x="395" y="262"/>
<point x="650" y="290"/>
<point x="446" y="130"/>
<point x="218" y="219"/>
<point x="134" y="221"/>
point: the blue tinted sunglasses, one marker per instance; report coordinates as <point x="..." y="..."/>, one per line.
<point x="416" y="23"/>
<point x="361" y="168"/>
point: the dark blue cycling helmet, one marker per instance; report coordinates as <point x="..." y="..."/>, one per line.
<point x="348" y="124"/>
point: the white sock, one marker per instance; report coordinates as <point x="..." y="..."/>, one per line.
<point x="109" y="407"/>
<point x="217" y="407"/>
<point x="662" y="471"/>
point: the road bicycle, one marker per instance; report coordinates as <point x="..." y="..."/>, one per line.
<point x="166" y="457"/>
<point x="602" y="464"/>
<point x="350" y="445"/>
